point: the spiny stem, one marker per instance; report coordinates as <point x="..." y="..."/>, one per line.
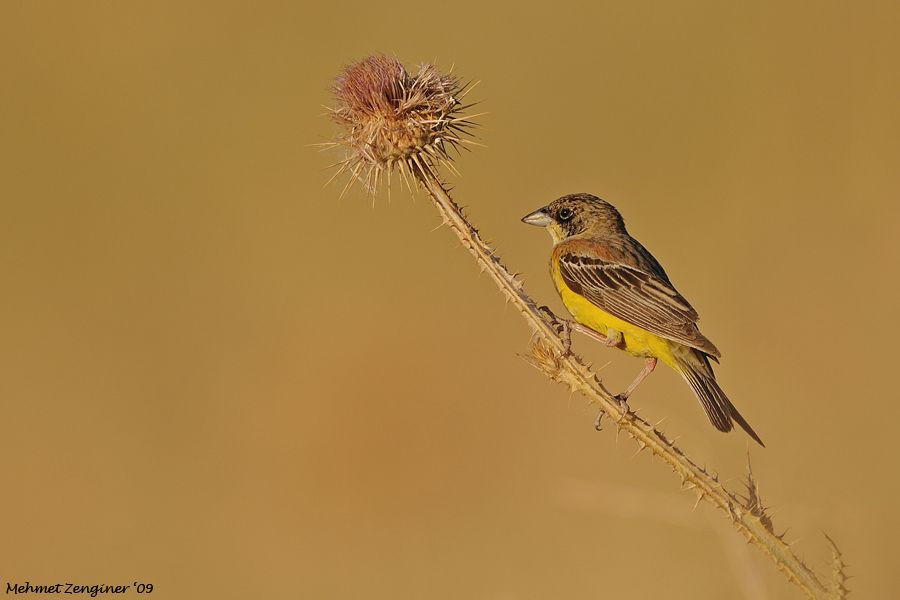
<point x="569" y="369"/>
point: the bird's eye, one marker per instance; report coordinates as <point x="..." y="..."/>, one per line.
<point x="564" y="214"/>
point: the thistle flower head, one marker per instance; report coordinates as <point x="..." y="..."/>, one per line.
<point x="393" y="119"/>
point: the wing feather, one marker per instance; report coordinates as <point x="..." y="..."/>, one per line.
<point x="636" y="296"/>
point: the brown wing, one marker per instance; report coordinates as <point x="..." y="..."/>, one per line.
<point x="635" y="296"/>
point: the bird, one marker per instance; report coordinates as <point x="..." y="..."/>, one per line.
<point x="619" y="294"/>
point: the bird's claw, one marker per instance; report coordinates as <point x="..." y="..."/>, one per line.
<point x="563" y="328"/>
<point x="622" y="399"/>
<point x="623" y="405"/>
<point x="546" y="310"/>
<point x="566" y="335"/>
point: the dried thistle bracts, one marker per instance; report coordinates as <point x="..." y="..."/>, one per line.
<point x="396" y="120"/>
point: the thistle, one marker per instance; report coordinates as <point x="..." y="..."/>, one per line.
<point x="394" y="120"/>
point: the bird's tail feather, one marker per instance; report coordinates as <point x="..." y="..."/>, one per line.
<point x="719" y="409"/>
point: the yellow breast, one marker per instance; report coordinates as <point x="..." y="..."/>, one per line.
<point x="638" y="342"/>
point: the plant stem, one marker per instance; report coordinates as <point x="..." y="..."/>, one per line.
<point x="551" y="355"/>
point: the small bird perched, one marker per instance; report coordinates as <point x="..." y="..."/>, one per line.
<point x="620" y="295"/>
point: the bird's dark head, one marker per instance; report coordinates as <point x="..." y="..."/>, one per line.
<point x="576" y="214"/>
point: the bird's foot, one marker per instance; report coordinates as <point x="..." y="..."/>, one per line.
<point x="597" y="426"/>
<point x="563" y="328"/>
<point x="622" y="399"/>
<point x="546" y="310"/>
<point x="566" y="335"/>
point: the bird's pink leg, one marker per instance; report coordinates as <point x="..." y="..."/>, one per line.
<point x="649" y="365"/>
<point x="612" y="338"/>
<point x="565" y="327"/>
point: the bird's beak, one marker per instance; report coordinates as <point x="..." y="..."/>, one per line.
<point x="538" y="217"/>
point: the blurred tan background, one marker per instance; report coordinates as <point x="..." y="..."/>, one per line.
<point x="218" y="378"/>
